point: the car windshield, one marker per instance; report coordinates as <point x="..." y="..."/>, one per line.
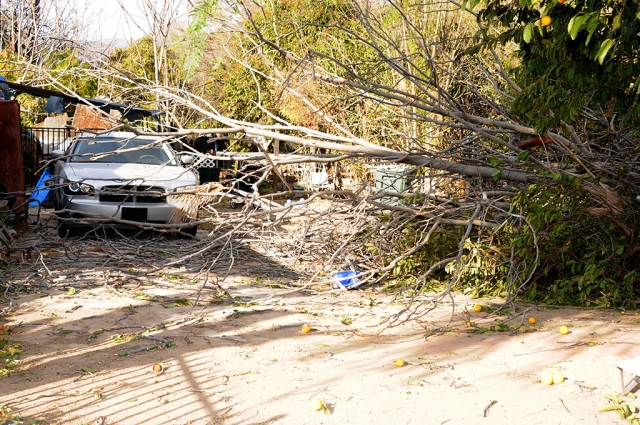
<point x="130" y="151"/>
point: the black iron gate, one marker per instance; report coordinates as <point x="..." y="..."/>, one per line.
<point x="38" y="144"/>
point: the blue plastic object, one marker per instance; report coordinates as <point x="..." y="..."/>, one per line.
<point x="347" y="279"/>
<point x="42" y="191"/>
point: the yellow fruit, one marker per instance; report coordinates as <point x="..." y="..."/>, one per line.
<point x="563" y="330"/>
<point x="532" y="320"/>
<point x="399" y="362"/>
<point x="558" y="378"/>
<point x="561" y="1"/>
<point x="157" y="367"/>
<point x="477" y="308"/>
<point x="547" y="377"/>
<point x="317" y="404"/>
<point x="306" y="328"/>
<point x="545" y="20"/>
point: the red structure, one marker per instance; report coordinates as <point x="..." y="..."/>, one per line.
<point x="11" y="175"/>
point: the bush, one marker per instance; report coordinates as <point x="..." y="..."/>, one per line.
<point x="585" y="257"/>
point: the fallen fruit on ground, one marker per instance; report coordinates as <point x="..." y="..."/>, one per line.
<point x="547" y="377"/>
<point x="399" y="362"/>
<point x="545" y="20"/>
<point x="317" y="404"/>
<point x="532" y="320"/>
<point x="477" y="308"/>
<point x="306" y="328"/>
<point x="563" y="330"/>
<point x="157" y="367"/>
<point x="558" y="378"/>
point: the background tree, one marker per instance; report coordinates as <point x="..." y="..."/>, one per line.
<point x="582" y="55"/>
<point x="32" y="28"/>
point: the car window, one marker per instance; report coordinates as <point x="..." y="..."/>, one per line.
<point x="122" y="151"/>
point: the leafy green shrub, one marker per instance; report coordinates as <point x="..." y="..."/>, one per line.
<point x="585" y="257"/>
<point x="484" y="270"/>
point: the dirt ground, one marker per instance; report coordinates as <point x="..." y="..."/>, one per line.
<point x="247" y="361"/>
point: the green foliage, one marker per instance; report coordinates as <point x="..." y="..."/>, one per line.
<point x="325" y="30"/>
<point x="623" y="408"/>
<point x="64" y="66"/>
<point x="243" y="89"/>
<point x="587" y="56"/>
<point x="443" y="244"/>
<point x="584" y="258"/>
<point x="71" y="71"/>
<point x="484" y="269"/>
<point x="196" y="35"/>
<point x="139" y="63"/>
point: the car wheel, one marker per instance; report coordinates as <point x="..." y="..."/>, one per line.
<point x="56" y="201"/>
<point x="64" y="231"/>
<point x="233" y="205"/>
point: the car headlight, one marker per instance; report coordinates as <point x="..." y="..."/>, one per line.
<point x="77" y="188"/>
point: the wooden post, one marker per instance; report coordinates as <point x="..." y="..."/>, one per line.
<point x="278" y="185"/>
<point x="11" y="174"/>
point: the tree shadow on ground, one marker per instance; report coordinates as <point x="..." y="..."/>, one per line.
<point x="233" y="360"/>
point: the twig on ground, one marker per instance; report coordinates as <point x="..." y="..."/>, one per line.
<point x="486" y="409"/>
<point x="219" y="394"/>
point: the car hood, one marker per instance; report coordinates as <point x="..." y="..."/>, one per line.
<point x="101" y="174"/>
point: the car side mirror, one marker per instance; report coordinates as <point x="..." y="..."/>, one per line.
<point x="186" y="159"/>
<point x="57" y="152"/>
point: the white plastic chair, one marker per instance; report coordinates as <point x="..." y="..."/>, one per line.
<point x="320" y="180"/>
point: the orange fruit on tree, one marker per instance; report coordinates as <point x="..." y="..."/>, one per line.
<point x="532" y="320"/>
<point x="561" y="1"/>
<point x="545" y="20"/>
<point x="317" y="404"/>
<point x="306" y="328"/>
<point x="563" y="330"/>
<point x="477" y="308"/>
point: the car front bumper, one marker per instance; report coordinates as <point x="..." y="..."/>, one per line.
<point x="92" y="211"/>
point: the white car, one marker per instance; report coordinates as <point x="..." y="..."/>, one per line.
<point x="122" y="176"/>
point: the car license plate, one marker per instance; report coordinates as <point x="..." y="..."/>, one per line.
<point x="134" y="214"/>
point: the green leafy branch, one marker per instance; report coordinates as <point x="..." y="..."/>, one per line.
<point x="624" y="409"/>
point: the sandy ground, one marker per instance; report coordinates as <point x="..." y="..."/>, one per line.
<point x="246" y="361"/>
<point x="253" y="364"/>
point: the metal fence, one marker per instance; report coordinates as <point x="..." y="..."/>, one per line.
<point x="38" y="144"/>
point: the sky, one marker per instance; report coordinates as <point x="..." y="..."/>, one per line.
<point x="107" y="20"/>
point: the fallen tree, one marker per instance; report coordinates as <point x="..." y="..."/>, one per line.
<point x="557" y="221"/>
